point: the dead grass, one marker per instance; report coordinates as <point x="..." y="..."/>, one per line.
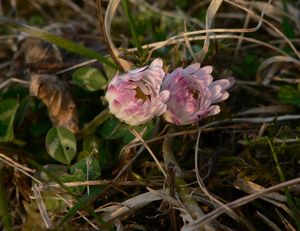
<point x="215" y="175"/>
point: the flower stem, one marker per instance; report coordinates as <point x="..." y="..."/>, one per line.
<point x="184" y="192"/>
<point x="94" y="124"/>
<point x="137" y="135"/>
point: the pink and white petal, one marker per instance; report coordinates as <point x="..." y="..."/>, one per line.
<point x="223" y="83"/>
<point x="135" y="71"/>
<point x="223" y="97"/>
<point x="207" y="69"/>
<point x="171" y="118"/>
<point x="164" y="96"/>
<point x="213" y="110"/>
<point x="156" y="63"/>
<point x="115" y="106"/>
<point x="215" y="92"/>
<point x="232" y="81"/>
<point x="191" y="69"/>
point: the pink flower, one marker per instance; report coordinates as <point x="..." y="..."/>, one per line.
<point x="193" y="94"/>
<point x="135" y="97"/>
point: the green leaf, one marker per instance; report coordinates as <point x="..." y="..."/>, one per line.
<point x="90" y="168"/>
<point x="57" y="40"/>
<point x="61" y="144"/>
<point x="83" y="202"/>
<point x="288" y="94"/>
<point x="91" y="144"/>
<point x="89" y="78"/>
<point x="8" y="109"/>
<point x="76" y="176"/>
<point x="113" y="129"/>
<point x="144" y="130"/>
<point x="54" y="203"/>
<point x="106" y="159"/>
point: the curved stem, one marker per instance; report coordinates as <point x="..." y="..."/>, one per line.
<point x="94" y="124"/>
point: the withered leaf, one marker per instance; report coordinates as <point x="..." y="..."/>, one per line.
<point x="36" y="55"/>
<point x="56" y="96"/>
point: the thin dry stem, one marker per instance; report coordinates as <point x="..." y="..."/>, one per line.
<point x="42" y="207"/>
<point x="137" y="135"/>
<point x="237" y="203"/>
<point x="79" y="213"/>
<point x="23" y="169"/>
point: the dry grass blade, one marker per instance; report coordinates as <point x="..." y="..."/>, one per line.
<point x="237" y="203"/>
<point x="285" y="222"/>
<point x="267" y="110"/>
<point x="42" y="207"/>
<point x="274" y="28"/>
<point x="172" y="41"/>
<point x="213" y="199"/>
<point x="110" y="12"/>
<point x="25" y="170"/>
<point x="273" y="198"/>
<point x="138" y="136"/>
<point x="270" y="223"/>
<point x="124" y="209"/>
<point x="210" y="15"/>
<point x="79" y="213"/>
<point x="192" y="210"/>
<point x="251" y="187"/>
<point x="272" y="60"/>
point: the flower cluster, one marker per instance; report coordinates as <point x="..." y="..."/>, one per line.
<point x="183" y="96"/>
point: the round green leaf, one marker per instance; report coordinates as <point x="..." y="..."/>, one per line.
<point x="89" y="166"/>
<point x="89" y="78"/>
<point x="61" y="144"/>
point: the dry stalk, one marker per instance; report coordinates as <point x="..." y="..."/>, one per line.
<point x="184" y="192"/>
<point x="23" y="169"/>
<point x="42" y="207"/>
<point x="79" y="213"/>
<point x="137" y="135"/>
<point x="237" y="203"/>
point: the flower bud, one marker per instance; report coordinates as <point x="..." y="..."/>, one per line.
<point x="193" y="94"/>
<point x="135" y="97"/>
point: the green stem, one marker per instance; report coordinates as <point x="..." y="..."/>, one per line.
<point x="94" y="124"/>
<point x="184" y="192"/>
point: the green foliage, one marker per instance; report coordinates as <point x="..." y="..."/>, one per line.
<point x="89" y="166"/>
<point x="63" y="161"/>
<point x="75" y="176"/>
<point x="288" y="94"/>
<point x="91" y="144"/>
<point x="61" y="144"/>
<point x="83" y="202"/>
<point x="113" y="129"/>
<point x="8" y="109"/>
<point x="89" y="78"/>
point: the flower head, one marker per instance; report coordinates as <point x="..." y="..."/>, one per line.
<point x="135" y="97"/>
<point x="193" y="94"/>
